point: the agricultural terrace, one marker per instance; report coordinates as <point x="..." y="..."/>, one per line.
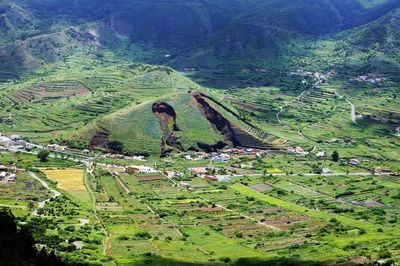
<point x="22" y="194"/>
<point x="153" y="215"/>
<point x="66" y="223"/>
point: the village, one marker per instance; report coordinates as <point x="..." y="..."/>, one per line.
<point x="230" y="194"/>
<point x="212" y="167"/>
<point x="7" y="174"/>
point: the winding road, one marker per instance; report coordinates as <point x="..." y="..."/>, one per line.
<point x="46" y="185"/>
<point x="287" y="104"/>
<point x="353" y="115"/>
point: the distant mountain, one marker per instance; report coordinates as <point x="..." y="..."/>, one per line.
<point x="184" y="23"/>
<point x="180" y="33"/>
<point x="382" y="35"/>
<point x="380" y="40"/>
<point x="14" y="19"/>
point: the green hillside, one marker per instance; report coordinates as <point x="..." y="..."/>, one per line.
<point x="73" y="66"/>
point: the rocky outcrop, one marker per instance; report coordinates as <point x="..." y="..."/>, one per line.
<point x="233" y="135"/>
<point x="166" y="114"/>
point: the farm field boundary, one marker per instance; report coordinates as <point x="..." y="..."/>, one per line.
<point x="306" y="211"/>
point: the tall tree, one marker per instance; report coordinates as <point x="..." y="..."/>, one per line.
<point x="335" y="156"/>
<point x="43" y="156"/>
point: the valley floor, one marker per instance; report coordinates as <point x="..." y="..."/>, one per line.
<point x="277" y="210"/>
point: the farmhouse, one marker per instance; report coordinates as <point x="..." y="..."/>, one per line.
<point x="135" y="158"/>
<point x="223" y="158"/>
<point x="4" y="140"/>
<point x="371" y="78"/>
<point x="6" y="176"/>
<point x="354" y="162"/>
<point x="136" y="169"/>
<point x="16" y="145"/>
<point x="172" y="174"/>
<point x="298" y="150"/>
<point x="188" y="158"/>
<point x="326" y="171"/>
<point x="56" y="147"/>
<point x="112" y="156"/>
<point x="200" y="170"/>
<point x="223" y="178"/>
<point x="380" y="170"/>
<point x="261" y="154"/>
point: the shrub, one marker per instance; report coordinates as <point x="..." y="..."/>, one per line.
<point x="143" y="235"/>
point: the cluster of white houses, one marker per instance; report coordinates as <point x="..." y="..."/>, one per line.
<point x="15" y="142"/>
<point x="7" y="174"/>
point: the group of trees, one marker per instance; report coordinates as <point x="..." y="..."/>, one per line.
<point x="18" y="246"/>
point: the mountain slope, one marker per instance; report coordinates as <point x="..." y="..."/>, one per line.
<point x="190" y="33"/>
<point x="14" y="19"/>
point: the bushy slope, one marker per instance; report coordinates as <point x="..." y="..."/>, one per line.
<point x="14" y="19"/>
<point x="383" y="34"/>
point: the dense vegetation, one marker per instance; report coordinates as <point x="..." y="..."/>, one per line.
<point x="18" y="245"/>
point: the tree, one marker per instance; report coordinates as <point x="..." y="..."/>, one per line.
<point x="18" y="245"/>
<point x="40" y="211"/>
<point x="31" y="205"/>
<point x="116" y="146"/>
<point x="43" y="156"/>
<point x="335" y="156"/>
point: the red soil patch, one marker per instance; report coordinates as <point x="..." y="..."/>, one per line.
<point x="149" y="178"/>
<point x="100" y="138"/>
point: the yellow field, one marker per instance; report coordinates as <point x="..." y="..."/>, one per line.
<point x="274" y="171"/>
<point x="71" y="181"/>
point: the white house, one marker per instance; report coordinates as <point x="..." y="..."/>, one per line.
<point x="188" y="158"/>
<point x="4" y="140"/>
<point x="326" y="171"/>
<point x="221" y="178"/>
<point x="354" y="162"/>
<point x="140" y="169"/>
<point x="56" y="147"/>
